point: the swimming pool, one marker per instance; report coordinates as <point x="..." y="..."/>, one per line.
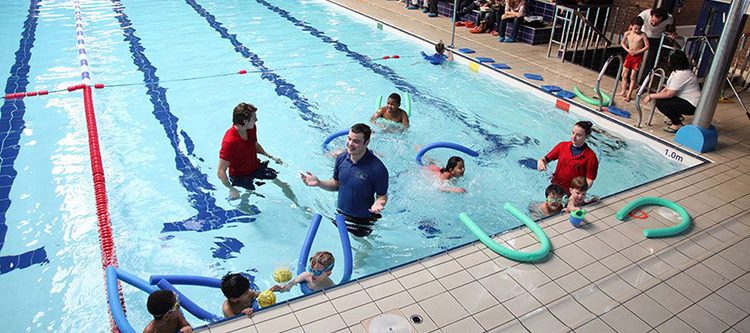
<point x="313" y="68"/>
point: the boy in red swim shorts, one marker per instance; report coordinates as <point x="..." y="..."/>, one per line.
<point x="635" y="43"/>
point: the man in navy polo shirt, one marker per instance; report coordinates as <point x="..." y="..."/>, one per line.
<point x="361" y="180"/>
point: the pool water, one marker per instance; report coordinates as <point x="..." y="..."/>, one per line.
<point x="313" y="69"/>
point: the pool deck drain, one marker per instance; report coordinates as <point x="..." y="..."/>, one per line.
<point x="605" y="277"/>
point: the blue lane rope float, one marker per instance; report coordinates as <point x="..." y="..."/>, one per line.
<point x="539" y="254"/>
<point x="531" y="76"/>
<point x="448" y="145"/>
<point x="332" y="137"/>
<point x="305" y="251"/>
<point x="658" y="232"/>
<point x="501" y="66"/>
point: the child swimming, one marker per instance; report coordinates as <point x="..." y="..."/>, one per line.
<point x="453" y="169"/>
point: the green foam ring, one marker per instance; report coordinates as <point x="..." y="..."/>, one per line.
<point x="539" y="254"/>
<point x="659" y="232"/>
<point x="578" y="213"/>
<point x="605" y="98"/>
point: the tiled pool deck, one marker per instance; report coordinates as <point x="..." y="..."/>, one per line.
<point x="604" y="277"/>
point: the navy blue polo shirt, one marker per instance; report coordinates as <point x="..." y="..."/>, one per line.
<point x="359" y="182"/>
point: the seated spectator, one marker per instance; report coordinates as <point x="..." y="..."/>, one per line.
<point x="514" y="11"/>
<point x="165" y="307"/>
<point x="489" y="15"/>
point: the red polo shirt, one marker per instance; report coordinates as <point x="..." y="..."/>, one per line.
<point x="241" y="154"/>
<point x="568" y="167"/>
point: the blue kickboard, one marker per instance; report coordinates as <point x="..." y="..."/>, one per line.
<point x="551" y="89"/>
<point x="483" y="59"/>
<point x="466" y="50"/>
<point x="618" y="111"/>
<point x="565" y="94"/>
<point x="533" y="76"/>
<point x="501" y="66"/>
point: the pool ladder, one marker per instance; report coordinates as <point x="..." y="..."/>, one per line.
<point x="647" y="86"/>
<point x="617" y="80"/>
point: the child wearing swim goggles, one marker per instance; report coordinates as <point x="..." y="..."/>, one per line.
<point x="552" y="205"/>
<point x="317" y="276"/>
<point x="164" y="305"/>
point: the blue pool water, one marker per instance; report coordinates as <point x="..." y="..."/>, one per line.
<point x="313" y="69"/>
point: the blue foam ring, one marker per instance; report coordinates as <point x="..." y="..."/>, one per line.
<point x="551" y="88"/>
<point x="188" y="304"/>
<point x="485" y="59"/>
<point x="333" y="136"/>
<point x="620" y="112"/>
<point x="448" y="145"/>
<point x="432" y="58"/>
<point x="115" y="307"/>
<point x="305" y="252"/>
<point x="191" y="280"/>
<point x="533" y="76"/>
<point x="465" y="50"/>
<point x="500" y="66"/>
<point x="566" y="94"/>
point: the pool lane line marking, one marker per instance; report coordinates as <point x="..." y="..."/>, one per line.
<point x="11" y="127"/>
<point x="498" y="142"/>
<point x="106" y="241"/>
<point x="192" y="179"/>
<point x="283" y="88"/>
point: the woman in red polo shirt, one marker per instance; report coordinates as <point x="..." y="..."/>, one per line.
<point x="576" y="159"/>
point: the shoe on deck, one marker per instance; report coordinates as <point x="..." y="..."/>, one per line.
<point x="425" y="10"/>
<point x="432" y="15"/>
<point x="411" y="7"/>
<point x="501" y="39"/>
<point x="510" y="40"/>
<point x="495" y="33"/>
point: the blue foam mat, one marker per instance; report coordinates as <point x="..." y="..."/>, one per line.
<point x="484" y="59"/>
<point x="501" y="66"/>
<point x="533" y="76"/>
<point x="551" y="88"/>
<point x="565" y="94"/>
<point x="466" y="50"/>
<point x="620" y="112"/>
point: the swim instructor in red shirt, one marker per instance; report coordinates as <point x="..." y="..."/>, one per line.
<point x="239" y="153"/>
<point x="575" y="157"/>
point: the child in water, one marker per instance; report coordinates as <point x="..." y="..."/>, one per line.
<point x="553" y="204"/>
<point x="453" y="169"/>
<point x="578" y="188"/>
<point x="318" y="275"/>
<point x="439" y="57"/>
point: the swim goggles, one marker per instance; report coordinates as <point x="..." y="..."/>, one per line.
<point x="554" y="200"/>
<point x="318" y="272"/>
<point x="174" y="307"/>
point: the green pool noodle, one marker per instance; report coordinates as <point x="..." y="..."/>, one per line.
<point x="659" y="232"/>
<point x="407" y="105"/>
<point x="539" y="254"/>
<point x="605" y="98"/>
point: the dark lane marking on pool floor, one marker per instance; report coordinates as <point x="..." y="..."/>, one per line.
<point x="283" y="88"/>
<point x="499" y="143"/>
<point x="11" y="127"/>
<point x="210" y="216"/>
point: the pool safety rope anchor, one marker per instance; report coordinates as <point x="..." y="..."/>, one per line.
<point x="659" y="232"/>
<point x="305" y="251"/>
<point x="539" y="254"/>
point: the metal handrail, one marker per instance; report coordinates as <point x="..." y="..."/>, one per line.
<point x="591" y="26"/>
<point x="728" y="80"/>
<point x="647" y="84"/>
<point x="617" y="79"/>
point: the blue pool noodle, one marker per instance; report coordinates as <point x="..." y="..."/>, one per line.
<point x="115" y="308"/>
<point x="449" y="145"/>
<point x="305" y="252"/>
<point x="135" y="281"/>
<point x="191" y="280"/>
<point x="333" y="136"/>
<point x="186" y="303"/>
